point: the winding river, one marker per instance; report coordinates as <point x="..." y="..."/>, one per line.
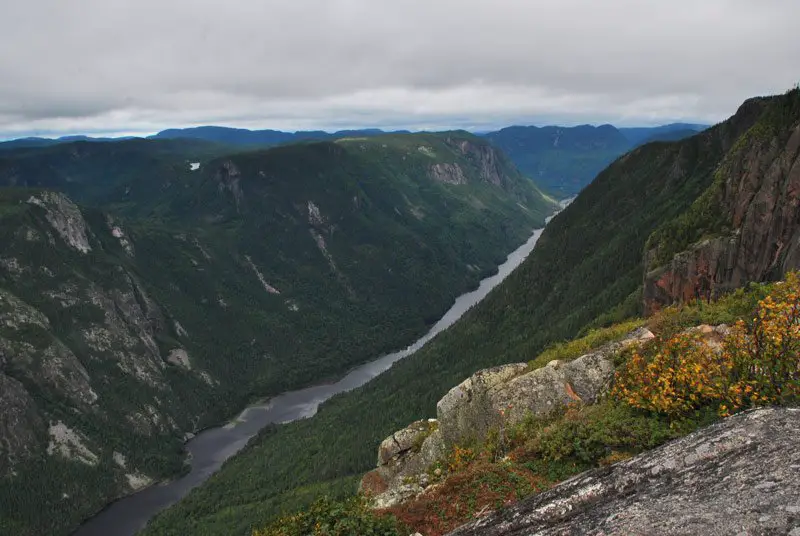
<point x="212" y="447"/>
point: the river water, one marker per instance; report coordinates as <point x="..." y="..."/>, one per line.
<point x="213" y="446"/>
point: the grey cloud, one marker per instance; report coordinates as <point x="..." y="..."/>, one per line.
<point x="142" y="65"/>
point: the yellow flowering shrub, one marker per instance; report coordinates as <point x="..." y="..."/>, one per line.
<point x="757" y="363"/>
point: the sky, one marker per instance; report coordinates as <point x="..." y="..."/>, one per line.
<point x="139" y="66"/>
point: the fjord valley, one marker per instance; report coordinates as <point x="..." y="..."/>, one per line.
<point x="520" y="386"/>
<point x="151" y="288"/>
<point x="353" y="268"/>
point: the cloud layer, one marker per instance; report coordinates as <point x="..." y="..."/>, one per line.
<point x="142" y="65"/>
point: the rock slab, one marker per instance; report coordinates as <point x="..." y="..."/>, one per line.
<point x="737" y="477"/>
<point x="507" y="394"/>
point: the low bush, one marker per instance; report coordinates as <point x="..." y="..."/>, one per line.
<point x="329" y="518"/>
<point x="757" y="363"/>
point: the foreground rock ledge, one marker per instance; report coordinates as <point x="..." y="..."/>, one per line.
<point x="738" y="477"/>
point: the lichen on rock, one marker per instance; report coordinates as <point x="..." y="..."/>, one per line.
<point x="65" y="218"/>
<point x="507" y="394"/>
<point x="738" y="476"/>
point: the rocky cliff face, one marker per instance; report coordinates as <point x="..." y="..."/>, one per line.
<point x="736" y="477"/>
<point x="86" y="384"/>
<point x="485" y="160"/>
<point x="486" y="401"/>
<point x="484" y="157"/>
<point x="755" y="227"/>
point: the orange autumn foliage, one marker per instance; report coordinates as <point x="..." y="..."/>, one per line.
<point x="758" y="363"/>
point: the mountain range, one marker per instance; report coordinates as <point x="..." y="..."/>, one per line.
<point x="151" y="288"/>
<point x="562" y="160"/>
<point x="709" y="213"/>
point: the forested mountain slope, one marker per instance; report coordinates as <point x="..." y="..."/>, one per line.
<point x="178" y="294"/>
<point x="563" y="160"/>
<point x="587" y="270"/>
<point x="91" y="171"/>
<point x="263" y="138"/>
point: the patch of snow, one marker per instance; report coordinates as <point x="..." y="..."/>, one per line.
<point x="67" y="443"/>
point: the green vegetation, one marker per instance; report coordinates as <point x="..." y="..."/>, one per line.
<point x="755" y="364"/>
<point x="587" y="266"/>
<point x="565" y="351"/>
<point x="711" y="214"/>
<point x="654" y="400"/>
<point x="562" y="160"/>
<point x="326" y="518"/>
<point x="360" y="250"/>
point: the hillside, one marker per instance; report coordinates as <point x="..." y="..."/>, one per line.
<point x="92" y="172"/>
<point x="175" y="295"/>
<point x="642" y="135"/>
<point x="563" y="160"/>
<point x="587" y="270"/>
<point x="246" y="137"/>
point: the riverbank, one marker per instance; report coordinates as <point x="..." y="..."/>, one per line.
<point x="209" y="449"/>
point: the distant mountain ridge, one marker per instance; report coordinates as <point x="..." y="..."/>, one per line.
<point x="563" y="160"/>
<point x="639" y="135"/>
<point x="243" y="136"/>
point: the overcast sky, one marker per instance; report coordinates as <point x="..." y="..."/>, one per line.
<point x="137" y="66"/>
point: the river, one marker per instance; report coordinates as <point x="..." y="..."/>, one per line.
<point x="212" y="447"/>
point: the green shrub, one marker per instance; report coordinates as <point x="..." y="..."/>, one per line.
<point x="327" y="518"/>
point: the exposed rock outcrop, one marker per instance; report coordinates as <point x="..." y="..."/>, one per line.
<point x="65" y="217"/>
<point x="447" y="173"/>
<point x="489" y="399"/>
<point x="505" y="395"/>
<point x="760" y="202"/>
<point x="229" y="178"/>
<point x="485" y="158"/>
<point x="403" y="460"/>
<point x="736" y="477"/>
